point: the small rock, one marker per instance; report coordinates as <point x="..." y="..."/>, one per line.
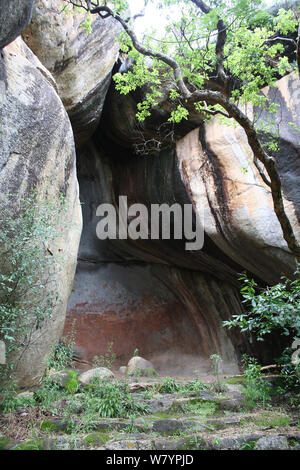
<point x="27" y="395"/>
<point x="100" y="373"/>
<point x="272" y="442"/>
<point x="123" y="370"/>
<point x="235" y="388"/>
<point x="60" y="378"/>
<point x="171" y="426"/>
<point x="130" y="445"/>
<point x="134" y="387"/>
<point x="137" y="366"/>
<point x="232" y="404"/>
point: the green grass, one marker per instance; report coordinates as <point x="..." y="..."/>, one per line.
<point x="276" y="420"/>
<point x="97" y="438"/>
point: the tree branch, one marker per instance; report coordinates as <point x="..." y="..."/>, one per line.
<point x="260" y="154"/>
<point x="232" y="110"/>
<point x="168" y="60"/>
<point x="221" y="41"/>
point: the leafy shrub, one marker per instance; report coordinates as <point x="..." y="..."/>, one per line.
<point x="106" y="360"/>
<point x="275" y="308"/>
<point x="112" y="400"/>
<point x="256" y="389"/>
<point x="289" y="373"/>
<point x="169" y="386"/>
<point x="195" y="385"/>
<point x="27" y="272"/>
<point x="61" y="355"/>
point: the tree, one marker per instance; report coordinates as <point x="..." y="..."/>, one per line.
<point x="218" y="56"/>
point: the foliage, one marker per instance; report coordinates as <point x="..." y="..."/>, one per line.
<point x="275" y="308"/>
<point x="289" y="372"/>
<point x="190" y="38"/>
<point x="28" y="291"/>
<point x="61" y="355"/>
<point x="72" y="384"/>
<point x="195" y="386"/>
<point x="9" y="400"/>
<point x="169" y="386"/>
<point x="112" y="400"/>
<point x="107" y="360"/>
<point x="256" y="389"/>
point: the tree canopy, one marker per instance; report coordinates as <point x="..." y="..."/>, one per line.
<point x="216" y="56"/>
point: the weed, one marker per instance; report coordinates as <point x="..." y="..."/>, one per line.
<point x="256" y="389"/>
<point x="107" y="360"/>
<point x="169" y="386"/>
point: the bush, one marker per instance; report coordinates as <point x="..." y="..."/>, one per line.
<point x="256" y="389"/>
<point x="112" y="400"/>
<point x="275" y="308"/>
<point x="27" y="273"/>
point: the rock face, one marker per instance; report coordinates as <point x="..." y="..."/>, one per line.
<point x="153" y="294"/>
<point x="14" y="18"/>
<point x="80" y="62"/>
<point x="37" y="150"/>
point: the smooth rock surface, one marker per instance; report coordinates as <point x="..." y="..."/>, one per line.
<point x="100" y="373"/>
<point x="14" y="18"/>
<point x="274" y="442"/>
<point x="81" y="63"/>
<point x="140" y="366"/>
<point x="37" y="150"/>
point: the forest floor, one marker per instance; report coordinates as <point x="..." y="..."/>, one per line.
<point x="160" y="413"/>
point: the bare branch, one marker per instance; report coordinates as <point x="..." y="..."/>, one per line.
<point x="290" y="40"/>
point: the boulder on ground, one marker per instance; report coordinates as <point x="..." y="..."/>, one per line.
<point x="61" y="377"/>
<point x="274" y="442"/>
<point x="100" y="373"/>
<point x="123" y="370"/>
<point x="137" y="366"/>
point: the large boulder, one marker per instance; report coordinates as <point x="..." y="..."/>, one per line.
<point x="100" y="373"/>
<point x="81" y="63"/>
<point x="37" y="150"/>
<point x="138" y="366"/>
<point x="14" y="18"/>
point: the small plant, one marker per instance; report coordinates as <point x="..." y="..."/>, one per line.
<point x="194" y="386"/>
<point x="273" y="420"/>
<point x="136" y="353"/>
<point x="289" y="372"/>
<point x="216" y="362"/>
<point x="169" y="386"/>
<point x="112" y="400"/>
<point x="107" y="360"/>
<point x="61" y="355"/>
<point x="256" y="389"/>
<point x="28" y="291"/>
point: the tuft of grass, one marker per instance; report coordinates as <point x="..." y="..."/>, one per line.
<point x="272" y="420"/>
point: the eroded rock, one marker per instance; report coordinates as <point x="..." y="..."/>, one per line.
<point x="14" y="18"/>
<point x="37" y="150"/>
<point x="138" y="366"/>
<point x="100" y="373"/>
<point x="81" y="63"/>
